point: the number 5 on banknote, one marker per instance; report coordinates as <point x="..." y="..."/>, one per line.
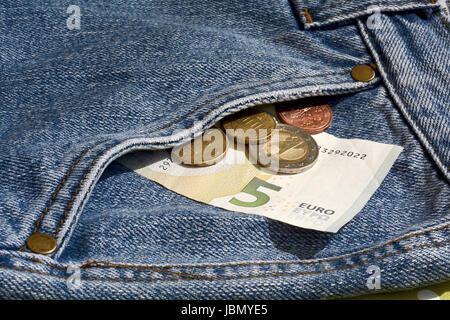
<point x="252" y="189"/>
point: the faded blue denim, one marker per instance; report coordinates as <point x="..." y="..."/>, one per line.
<point x="143" y="75"/>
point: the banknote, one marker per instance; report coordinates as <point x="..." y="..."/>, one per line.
<point x="324" y="198"/>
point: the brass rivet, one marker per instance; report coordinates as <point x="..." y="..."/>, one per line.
<point x="363" y="73"/>
<point x="41" y="243"/>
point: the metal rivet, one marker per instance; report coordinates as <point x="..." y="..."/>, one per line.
<point x="363" y="73"/>
<point x="41" y="243"/>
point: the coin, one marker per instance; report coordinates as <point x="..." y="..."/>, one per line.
<point x="250" y="126"/>
<point x="205" y="150"/>
<point x="294" y="152"/>
<point x="310" y="115"/>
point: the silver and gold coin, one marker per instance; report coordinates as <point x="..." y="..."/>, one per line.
<point x="290" y="149"/>
<point x="250" y="126"/>
<point x="205" y="150"/>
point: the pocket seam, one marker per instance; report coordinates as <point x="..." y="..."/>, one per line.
<point x="64" y="179"/>
<point x="262" y="275"/>
<point x="310" y="20"/>
<point x="395" y="91"/>
<point x="365" y="6"/>
<point x="55" y="193"/>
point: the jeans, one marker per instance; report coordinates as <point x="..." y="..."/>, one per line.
<point x="84" y="85"/>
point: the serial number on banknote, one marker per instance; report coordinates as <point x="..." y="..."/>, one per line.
<point x="344" y="153"/>
<point x="165" y="165"/>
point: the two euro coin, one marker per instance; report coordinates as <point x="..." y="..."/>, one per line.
<point x="290" y="150"/>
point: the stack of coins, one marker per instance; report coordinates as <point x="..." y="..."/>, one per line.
<point x="288" y="144"/>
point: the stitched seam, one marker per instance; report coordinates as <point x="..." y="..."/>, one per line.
<point x="55" y="193"/>
<point x="100" y="263"/>
<point x="167" y="126"/>
<point x="77" y="189"/>
<point x="190" y="275"/>
<point x="442" y="19"/>
<point x="365" y="6"/>
<point x="439" y="15"/>
<point x="194" y="276"/>
<point x="308" y="16"/>
<point x="95" y="160"/>
<point x="406" y="106"/>
<point x="342" y="2"/>
<point x="235" y="277"/>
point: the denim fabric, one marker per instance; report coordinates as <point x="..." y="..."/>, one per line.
<point x="144" y="75"/>
<point x="320" y="13"/>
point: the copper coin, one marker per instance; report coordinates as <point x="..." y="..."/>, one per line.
<point x="310" y="115"/>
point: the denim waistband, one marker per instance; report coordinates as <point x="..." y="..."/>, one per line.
<point x="414" y="80"/>
<point x="315" y="13"/>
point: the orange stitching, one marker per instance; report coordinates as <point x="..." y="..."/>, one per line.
<point x="63" y="181"/>
<point x="32" y="271"/>
<point x="308" y="16"/>
<point x="362" y="7"/>
<point x="245" y="264"/>
<point x="342" y="2"/>
<point x="48" y="264"/>
<point x="180" y="119"/>
<point x="228" y="277"/>
<point x="72" y="199"/>
<point x="95" y="264"/>
<point x="406" y="106"/>
<point x="55" y="193"/>
<point x="442" y="19"/>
